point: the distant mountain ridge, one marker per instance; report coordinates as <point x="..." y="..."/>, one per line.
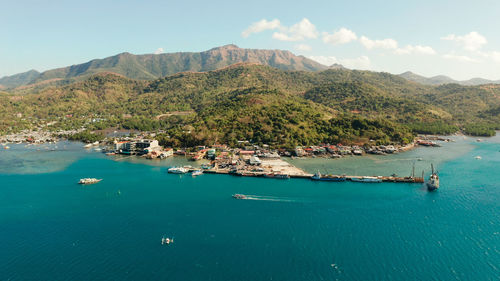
<point x="442" y="79"/>
<point x="18" y="79"/>
<point x="152" y="66"/>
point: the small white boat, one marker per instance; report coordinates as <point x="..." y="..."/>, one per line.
<point x="197" y="173"/>
<point x="89" y="181"/>
<point x="178" y="170"/>
<point x="88" y="145"/>
<point x="166" y="241"/>
<point x="478" y="157"/>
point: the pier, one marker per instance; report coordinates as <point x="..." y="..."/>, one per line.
<point x="278" y="166"/>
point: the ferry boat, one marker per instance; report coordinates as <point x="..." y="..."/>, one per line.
<point x="367" y="179"/>
<point x="89" y="181"/>
<point x="178" y="170"/>
<point x="433" y="182"/>
<point x="197" y="173"/>
<point x="320" y="177"/>
<point x="239" y="196"/>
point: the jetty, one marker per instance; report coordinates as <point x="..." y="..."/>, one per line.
<point x="269" y="167"/>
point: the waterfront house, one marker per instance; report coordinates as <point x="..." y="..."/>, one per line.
<point x="247" y="152"/>
<point x="299" y="152"/>
<point x="120" y="145"/>
<point x="254" y="160"/>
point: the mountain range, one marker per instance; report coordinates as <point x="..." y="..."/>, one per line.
<point x="442" y="79"/>
<point x="152" y="66"/>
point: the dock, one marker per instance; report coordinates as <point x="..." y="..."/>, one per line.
<point x="274" y="167"/>
<point x="278" y="166"/>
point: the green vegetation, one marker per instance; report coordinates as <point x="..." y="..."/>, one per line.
<point x="259" y="104"/>
<point x="433" y="128"/>
<point x="86" y="136"/>
<point x="484" y="130"/>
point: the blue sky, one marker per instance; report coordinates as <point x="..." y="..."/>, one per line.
<point x="456" y="38"/>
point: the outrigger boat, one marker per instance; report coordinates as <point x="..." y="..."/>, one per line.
<point x="89" y="181"/>
<point x="166" y="241"/>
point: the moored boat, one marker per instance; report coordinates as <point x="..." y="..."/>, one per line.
<point x="277" y="176"/>
<point x="317" y="176"/>
<point x="197" y="173"/>
<point x="178" y="170"/>
<point x="366" y="179"/>
<point x="433" y="182"/>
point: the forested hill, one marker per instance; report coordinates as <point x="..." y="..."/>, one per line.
<point x="261" y="104"/>
<point x="152" y="66"/>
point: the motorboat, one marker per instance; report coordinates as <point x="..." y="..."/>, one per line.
<point x="239" y="196"/>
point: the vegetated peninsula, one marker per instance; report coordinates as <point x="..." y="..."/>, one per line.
<point x="260" y="104"/>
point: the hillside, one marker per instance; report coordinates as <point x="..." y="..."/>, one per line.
<point x="261" y="104"/>
<point x="18" y="79"/>
<point x="442" y="79"/>
<point x="152" y="66"/>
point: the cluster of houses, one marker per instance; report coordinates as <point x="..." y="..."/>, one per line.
<point x="151" y="149"/>
<point x="340" y="150"/>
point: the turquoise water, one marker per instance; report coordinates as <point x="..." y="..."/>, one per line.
<point x="53" y="229"/>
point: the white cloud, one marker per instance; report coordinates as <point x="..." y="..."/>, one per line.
<point x="362" y="62"/>
<point x="303" y="47"/>
<point x="158" y="51"/>
<point x="494" y="56"/>
<point x="460" y="58"/>
<point x="472" y="41"/>
<point x="342" y="36"/>
<point x="260" y="26"/>
<point x="297" y="32"/>
<point x="388" y="43"/>
<point x="418" y="49"/>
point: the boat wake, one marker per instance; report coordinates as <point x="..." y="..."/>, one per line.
<point x="267" y="198"/>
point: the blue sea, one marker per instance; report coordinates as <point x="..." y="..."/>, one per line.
<point x="54" y="229"/>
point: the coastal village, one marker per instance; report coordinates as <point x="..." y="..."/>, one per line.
<point x="249" y="160"/>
